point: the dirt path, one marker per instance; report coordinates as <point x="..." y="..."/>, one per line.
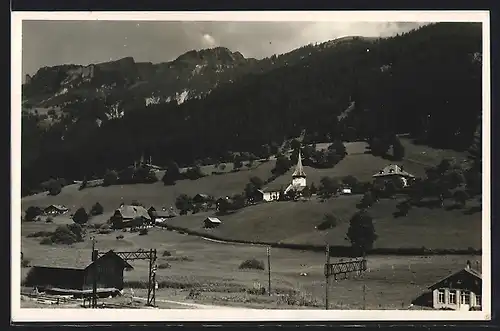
<point x="189" y="305"/>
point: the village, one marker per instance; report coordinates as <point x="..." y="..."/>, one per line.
<point x="53" y="283"/>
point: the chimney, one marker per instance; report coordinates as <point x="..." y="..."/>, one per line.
<point x="467" y="265"/>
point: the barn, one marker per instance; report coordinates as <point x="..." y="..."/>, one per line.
<point x="79" y="276"/>
<point x="130" y="216"/>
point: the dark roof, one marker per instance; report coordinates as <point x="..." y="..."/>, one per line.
<point x="112" y="254"/>
<point x="164" y="213"/>
<point x="133" y="212"/>
<point x="393" y="169"/>
<point x="58" y="207"/>
<point x="80" y="259"/>
<point x="465" y="271"/>
<point x="62" y="257"/>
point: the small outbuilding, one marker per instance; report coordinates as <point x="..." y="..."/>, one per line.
<point x="60" y="274"/>
<point x="211" y="222"/>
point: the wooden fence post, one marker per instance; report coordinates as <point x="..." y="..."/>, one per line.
<point x="327" y="266"/>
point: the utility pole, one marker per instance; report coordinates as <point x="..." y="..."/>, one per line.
<point x="94" y="278"/>
<point x="364" y="296"/>
<point x="327" y="267"/>
<point x="269" y="269"/>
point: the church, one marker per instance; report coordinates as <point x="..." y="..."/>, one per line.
<point x="297" y="184"/>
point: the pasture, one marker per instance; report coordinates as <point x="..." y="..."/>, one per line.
<point x="207" y="272"/>
<point x="156" y="194"/>
<point x="294" y="222"/>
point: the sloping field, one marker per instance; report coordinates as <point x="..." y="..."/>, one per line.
<point x="155" y="194"/>
<point x="294" y="222"/>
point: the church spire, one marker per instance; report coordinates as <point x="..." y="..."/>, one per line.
<point x="299" y="169"/>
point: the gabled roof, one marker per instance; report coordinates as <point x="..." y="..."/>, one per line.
<point x="466" y="271"/>
<point x="113" y="255"/>
<point x="213" y="220"/>
<point x="78" y="260"/>
<point x="299" y="169"/>
<point x="58" y="207"/>
<point x="202" y="195"/>
<point x="133" y="212"/>
<point x="164" y="213"/>
<point x="393" y="169"/>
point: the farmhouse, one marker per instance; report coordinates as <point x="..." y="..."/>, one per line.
<point x="458" y="291"/>
<point x="55" y="210"/>
<point x="159" y="216"/>
<point x="269" y="194"/>
<point x="60" y="275"/>
<point x="129" y="216"/>
<point x="393" y="173"/>
<point x="211" y="222"/>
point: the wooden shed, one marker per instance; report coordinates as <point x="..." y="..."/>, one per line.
<point x="108" y="270"/>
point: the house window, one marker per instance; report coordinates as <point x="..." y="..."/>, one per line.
<point x="453" y="297"/>
<point x="465" y="298"/>
<point x="478" y="300"/>
<point x="441" y="296"/>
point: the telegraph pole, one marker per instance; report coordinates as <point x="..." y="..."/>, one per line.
<point x="364" y="296"/>
<point x="327" y="267"/>
<point x="269" y="269"/>
<point x="94" y="279"/>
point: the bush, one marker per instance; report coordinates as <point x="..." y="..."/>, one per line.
<point x="329" y="222"/>
<point x="252" y="264"/>
<point x="97" y="209"/>
<point x="54" y="187"/>
<point x="120" y="236"/>
<point x="167" y="253"/>
<point x="143" y="232"/>
<point x="46" y="241"/>
<point x="39" y="234"/>
<point x="32" y="213"/>
<point x="80" y="216"/>
<point x="164" y="265"/>
<point x="110" y="178"/>
<point x="25" y="263"/>
<point x="67" y="234"/>
<point x="49" y="219"/>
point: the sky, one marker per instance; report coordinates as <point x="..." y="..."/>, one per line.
<point x="49" y="43"/>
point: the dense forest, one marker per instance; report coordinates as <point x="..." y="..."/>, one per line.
<point x="426" y="83"/>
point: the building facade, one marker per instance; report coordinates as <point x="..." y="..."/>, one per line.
<point x="459" y="291"/>
<point x="393" y="173"/>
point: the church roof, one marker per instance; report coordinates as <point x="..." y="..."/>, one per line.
<point x="299" y="169"/>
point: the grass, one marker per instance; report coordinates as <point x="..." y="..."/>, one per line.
<point x="213" y="268"/>
<point x="294" y="222"/>
<point x="155" y="194"/>
<point x="214" y="272"/>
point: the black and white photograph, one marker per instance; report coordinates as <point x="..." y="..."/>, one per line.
<point x="250" y="166"/>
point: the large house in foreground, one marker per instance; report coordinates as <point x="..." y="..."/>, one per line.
<point x="393" y="172"/>
<point x="458" y="291"/>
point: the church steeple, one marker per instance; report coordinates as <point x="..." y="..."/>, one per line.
<point x="299" y="169"/>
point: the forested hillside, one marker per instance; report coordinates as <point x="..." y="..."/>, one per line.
<point x="426" y="83"/>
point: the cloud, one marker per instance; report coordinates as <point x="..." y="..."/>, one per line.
<point x="208" y="41"/>
<point x="48" y="43"/>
